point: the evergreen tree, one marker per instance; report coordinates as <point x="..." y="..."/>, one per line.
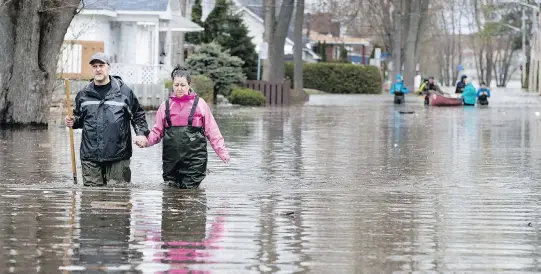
<point x="227" y="29"/>
<point x="217" y="64"/>
<point x="197" y="13"/>
<point x="235" y="38"/>
<point x="214" y="25"/>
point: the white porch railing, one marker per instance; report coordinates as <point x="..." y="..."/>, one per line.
<point x="70" y="58"/>
<point x="139" y="74"/>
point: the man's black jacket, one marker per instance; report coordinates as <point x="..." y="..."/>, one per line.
<point x="106" y="122"/>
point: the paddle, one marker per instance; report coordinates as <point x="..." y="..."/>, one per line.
<point x="70" y="114"/>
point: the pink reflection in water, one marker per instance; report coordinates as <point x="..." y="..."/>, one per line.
<point x="179" y="254"/>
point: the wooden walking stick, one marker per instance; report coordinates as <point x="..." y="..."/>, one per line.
<point x="70" y="114"/>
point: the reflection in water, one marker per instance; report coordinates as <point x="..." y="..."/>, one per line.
<point x="104" y="229"/>
<point x="345" y="184"/>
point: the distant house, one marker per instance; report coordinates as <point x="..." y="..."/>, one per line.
<point x="253" y="14"/>
<point x="136" y="34"/>
<point x="323" y="28"/>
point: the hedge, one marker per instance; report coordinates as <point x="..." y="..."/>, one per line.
<point x="201" y="84"/>
<point x="339" y="77"/>
<point x="246" y="97"/>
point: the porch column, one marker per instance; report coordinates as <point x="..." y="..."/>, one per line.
<point x="168" y="46"/>
<point x="156" y="58"/>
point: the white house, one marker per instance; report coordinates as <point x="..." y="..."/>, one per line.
<point x="252" y="13"/>
<point x="136" y="34"/>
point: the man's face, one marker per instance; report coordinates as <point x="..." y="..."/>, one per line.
<point x="431" y="81"/>
<point x="100" y="71"/>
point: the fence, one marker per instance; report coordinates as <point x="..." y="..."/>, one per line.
<point x="139" y="74"/>
<point x="150" y="96"/>
<point x="275" y="93"/>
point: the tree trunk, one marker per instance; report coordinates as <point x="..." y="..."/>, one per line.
<point x="275" y="35"/>
<point x="421" y="31"/>
<point x="35" y="31"/>
<point x="413" y="18"/>
<point x="298" y="92"/>
<point x="489" y="62"/>
<point x="397" y="42"/>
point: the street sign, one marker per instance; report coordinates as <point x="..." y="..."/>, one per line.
<point x="460" y="67"/>
<point x="263" y="50"/>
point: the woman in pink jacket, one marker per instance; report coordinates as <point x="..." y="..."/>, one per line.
<point x="184" y="122"/>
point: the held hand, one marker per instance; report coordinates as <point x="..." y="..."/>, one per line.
<point x="69" y="121"/>
<point x="141" y="141"/>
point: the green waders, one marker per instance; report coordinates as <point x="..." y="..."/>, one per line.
<point x="184" y="154"/>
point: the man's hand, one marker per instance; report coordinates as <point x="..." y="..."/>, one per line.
<point x="69" y="121"/>
<point x="141" y="141"/>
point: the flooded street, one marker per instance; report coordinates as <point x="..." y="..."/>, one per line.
<point x="343" y="184"/>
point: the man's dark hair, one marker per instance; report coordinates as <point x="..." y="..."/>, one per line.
<point x="180" y="71"/>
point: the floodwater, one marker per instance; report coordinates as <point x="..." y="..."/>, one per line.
<point x="344" y="184"/>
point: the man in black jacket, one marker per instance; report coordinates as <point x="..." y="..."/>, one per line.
<point x="104" y="110"/>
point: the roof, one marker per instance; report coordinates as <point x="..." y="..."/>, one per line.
<point x="328" y="39"/>
<point x="182" y="24"/>
<point x="127" y="5"/>
<point x="256" y="7"/>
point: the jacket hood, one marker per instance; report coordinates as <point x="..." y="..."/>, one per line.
<point x="191" y="95"/>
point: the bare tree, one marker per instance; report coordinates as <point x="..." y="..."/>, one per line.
<point x="416" y="12"/>
<point x="447" y="33"/>
<point x="503" y="56"/>
<point x="275" y="35"/>
<point x="481" y="41"/>
<point x="31" y="34"/>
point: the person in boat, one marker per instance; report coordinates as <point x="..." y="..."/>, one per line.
<point x="185" y="122"/>
<point x="421" y="87"/>
<point x="483" y="93"/>
<point x="429" y="87"/>
<point x="469" y="95"/>
<point x="461" y="84"/>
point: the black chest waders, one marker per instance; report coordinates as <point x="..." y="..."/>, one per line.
<point x="184" y="154"/>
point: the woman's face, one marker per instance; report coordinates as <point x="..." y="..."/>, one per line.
<point x="180" y="86"/>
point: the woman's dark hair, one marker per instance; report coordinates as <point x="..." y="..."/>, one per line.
<point x="180" y="71"/>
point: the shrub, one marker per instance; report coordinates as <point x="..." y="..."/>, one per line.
<point x="201" y="84"/>
<point x="204" y="87"/>
<point x="339" y="78"/>
<point x="246" y="97"/>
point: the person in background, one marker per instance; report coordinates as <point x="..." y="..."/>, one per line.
<point x="431" y="86"/>
<point x="399" y="90"/>
<point x="421" y="87"/>
<point x="399" y="87"/>
<point x="469" y="95"/>
<point x="461" y="84"/>
<point x="483" y="93"/>
<point x="185" y="122"/>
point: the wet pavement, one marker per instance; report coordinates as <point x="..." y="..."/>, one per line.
<point x="344" y="184"/>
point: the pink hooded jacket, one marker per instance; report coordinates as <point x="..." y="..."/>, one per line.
<point x="180" y="110"/>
